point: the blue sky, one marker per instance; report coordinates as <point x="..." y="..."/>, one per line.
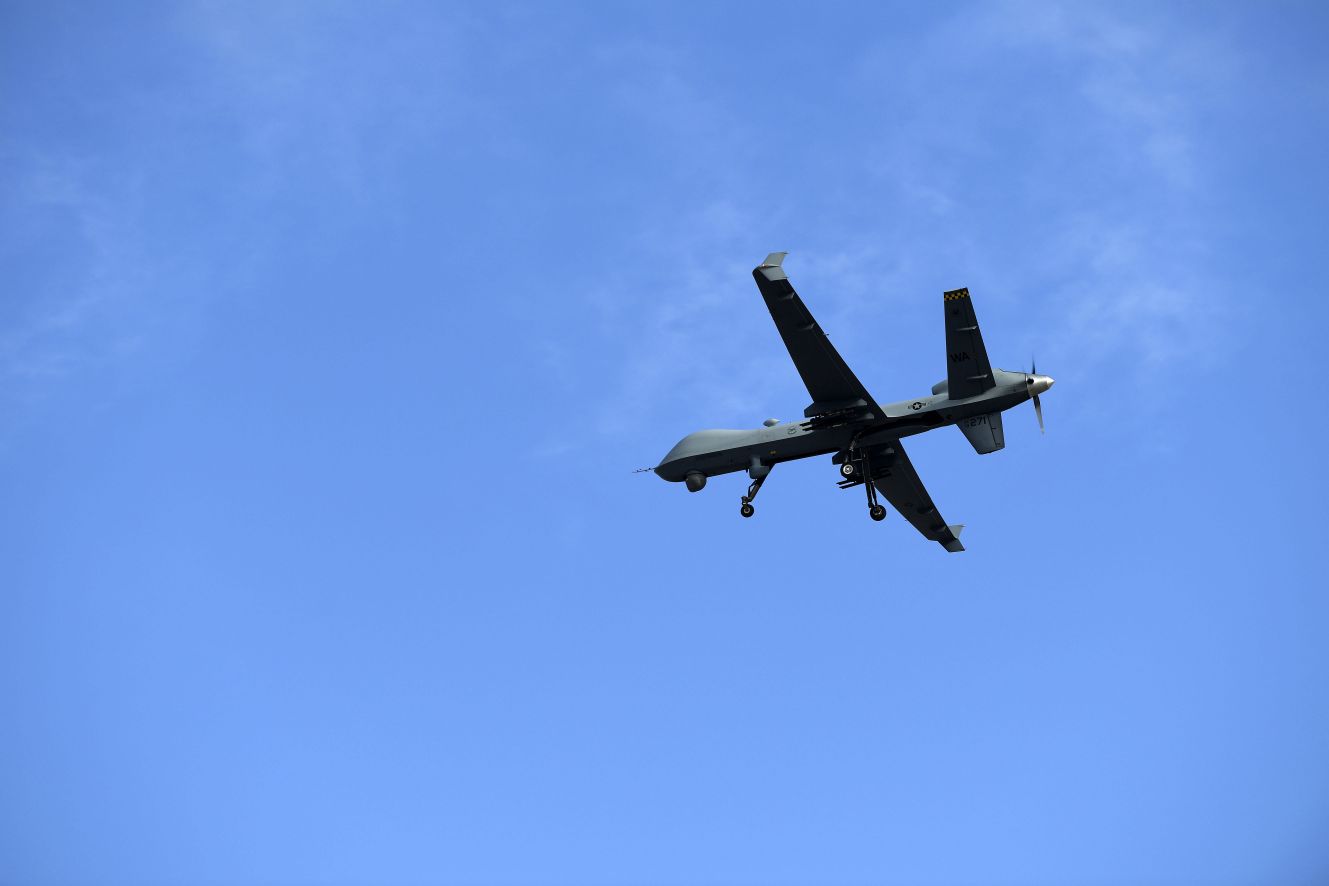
<point x="330" y="335"/>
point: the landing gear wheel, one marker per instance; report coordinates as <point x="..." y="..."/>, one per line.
<point x="877" y="512"/>
<point x="847" y="469"/>
<point x="747" y="510"/>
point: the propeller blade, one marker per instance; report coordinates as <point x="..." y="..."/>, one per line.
<point x="1038" y="406"/>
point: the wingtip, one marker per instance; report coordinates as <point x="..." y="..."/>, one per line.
<point x="954" y="545"/>
<point x="774" y="260"/>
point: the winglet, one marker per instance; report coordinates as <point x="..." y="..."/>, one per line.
<point x="954" y="545"/>
<point x="770" y="268"/>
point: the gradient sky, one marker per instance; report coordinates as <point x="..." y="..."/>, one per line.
<point x="330" y="335"/>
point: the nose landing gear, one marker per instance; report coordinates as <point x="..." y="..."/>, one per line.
<point x="758" y="472"/>
<point x="747" y="510"/>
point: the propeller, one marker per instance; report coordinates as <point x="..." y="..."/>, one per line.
<point x="1038" y="406"/>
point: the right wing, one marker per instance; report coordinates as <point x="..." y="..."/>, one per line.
<point x="828" y="378"/>
<point x="901" y="485"/>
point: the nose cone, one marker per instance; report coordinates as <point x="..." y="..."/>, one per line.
<point x="1040" y="383"/>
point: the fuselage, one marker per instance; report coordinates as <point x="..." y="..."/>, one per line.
<point x="714" y="452"/>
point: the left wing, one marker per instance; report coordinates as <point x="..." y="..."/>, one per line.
<point x="829" y="380"/>
<point x="899" y="482"/>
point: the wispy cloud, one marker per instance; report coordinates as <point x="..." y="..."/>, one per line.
<point x="1051" y="163"/>
<point x="311" y="96"/>
<point x="73" y="273"/>
<point x="698" y="337"/>
<point x="165" y="192"/>
<point x="1137" y="294"/>
<point x="1092" y="207"/>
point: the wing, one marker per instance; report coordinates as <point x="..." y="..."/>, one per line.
<point x="900" y="484"/>
<point x="829" y="380"/>
<point x="968" y="372"/>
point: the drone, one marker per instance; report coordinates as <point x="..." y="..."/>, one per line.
<point x="844" y="421"/>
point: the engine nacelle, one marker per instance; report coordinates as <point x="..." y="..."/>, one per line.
<point x="696" y="481"/>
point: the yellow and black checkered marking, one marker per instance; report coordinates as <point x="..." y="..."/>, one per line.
<point x="955" y="294"/>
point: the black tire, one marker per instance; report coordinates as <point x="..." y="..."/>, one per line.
<point x="747" y="510"/>
<point x="877" y="512"/>
<point x="847" y="469"/>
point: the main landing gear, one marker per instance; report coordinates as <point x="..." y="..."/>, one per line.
<point x="859" y="470"/>
<point x="875" y="511"/>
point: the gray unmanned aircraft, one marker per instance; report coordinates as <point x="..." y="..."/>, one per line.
<point x="843" y="420"/>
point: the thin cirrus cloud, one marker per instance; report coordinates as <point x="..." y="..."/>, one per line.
<point x="1101" y="186"/>
<point x="1029" y="187"/>
<point x="1069" y="189"/>
<point x="162" y="197"/>
<point x="75" y="269"/>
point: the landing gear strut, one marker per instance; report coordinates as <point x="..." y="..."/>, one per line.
<point x="875" y="511"/>
<point x="747" y="510"/>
